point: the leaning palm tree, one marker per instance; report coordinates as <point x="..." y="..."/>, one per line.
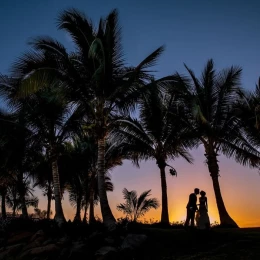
<point x="157" y="134"/>
<point x="94" y="75"/>
<point x="136" y="207"/>
<point x="210" y="102"/>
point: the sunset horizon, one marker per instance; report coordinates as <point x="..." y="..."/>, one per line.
<point x="179" y="189"/>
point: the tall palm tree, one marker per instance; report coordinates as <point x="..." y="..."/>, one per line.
<point x="94" y="75"/>
<point x="157" y="134"/>
<point x="248" y="111"/>
<point x="136" y="207"/>
<point x="94" y="195"/>
<point x="211" y="102"/>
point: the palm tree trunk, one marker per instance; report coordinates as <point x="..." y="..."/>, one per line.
<point x="3" y="205"/>
<point x="21" y="192"/>
<point x="49" y="197"/>
<point x="84" y="220"/>
<point x="165" y="213"/>
<point x="14" y="210"/>
<point x="91" y="209"/>
<point x="59" y="215"/>
<point x="14" y="204"/>
<point x="23" y="206"/>
<point x="108" y="218"/>
<point x="78" y="209"/>
<point x="225" y="219"/>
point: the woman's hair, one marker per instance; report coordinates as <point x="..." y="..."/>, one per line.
<point x="203" y="193"/>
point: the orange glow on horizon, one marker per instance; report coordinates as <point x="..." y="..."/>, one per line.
<point x="239" y="186"/>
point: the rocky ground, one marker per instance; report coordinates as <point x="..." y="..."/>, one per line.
<point x="24" y="241"/>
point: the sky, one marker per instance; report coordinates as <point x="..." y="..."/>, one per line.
<point x="193" y="32"/>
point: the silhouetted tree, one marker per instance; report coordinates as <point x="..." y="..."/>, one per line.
<point x="157" y="134"/>
<point x="136" y="207"/>
<point x="211" y="101"/>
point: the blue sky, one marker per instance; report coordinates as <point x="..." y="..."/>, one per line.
<point x="193" y="31"/>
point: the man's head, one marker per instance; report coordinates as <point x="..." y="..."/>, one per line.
<point x="196" y="191"/>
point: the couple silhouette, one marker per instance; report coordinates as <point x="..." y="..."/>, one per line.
<point x="202" y="217"/>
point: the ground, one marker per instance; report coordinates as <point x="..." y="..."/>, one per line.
<point x="216" y="244"/>
<point x="43" y="240"/>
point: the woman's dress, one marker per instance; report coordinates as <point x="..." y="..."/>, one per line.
<point x="203" y="221"/>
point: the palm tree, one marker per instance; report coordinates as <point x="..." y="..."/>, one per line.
<point x="42" y="176"/>
<point x="248" y="111"/>
<point x="12" y="199"/>
<point x="20" y="195"/>
<point x="158" y="134"/>
<point x="74" y="166"/>
<point x="42" y="214"/>
<point x="136" y="207"/>
<point x="19" y="156"/>
<point x="211" y="102"/>
<point x="6" y="134"/>
<point x="81" y="160"/>
<point x="3" y="191"/>
<point x="94" y="75"/>
<point x="52" y="120"/>
<point x="94" y="195"/>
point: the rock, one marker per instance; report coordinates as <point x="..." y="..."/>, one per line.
<point x="42" y="250"/>
<point x="35" y="243"/>
<point x="64" y="254"/>
<point x="36" y="240"/>
<point x="38" y="234"/>
<point x="51" y="248"/>
<point x="96" y="240"/>
<point x="64" y="241"/>
<point x="95" y="235"/>
<point x="79" y="251"/>
<point x="20" y="237"/>
<point x="133" y="241"/>
<point x="106" y="252"/>
<point x="110" y="241"/>
<point x="47" y="242"/>
<point x="10" y="251"/>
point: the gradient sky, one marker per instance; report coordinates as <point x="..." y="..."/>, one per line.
<point x="193" y="31"/>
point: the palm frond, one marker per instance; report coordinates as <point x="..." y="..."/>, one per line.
<point x="135" y="206"/>
<point x="79" y="27"/>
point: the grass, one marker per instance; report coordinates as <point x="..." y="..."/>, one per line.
<point x="168" y="244"/>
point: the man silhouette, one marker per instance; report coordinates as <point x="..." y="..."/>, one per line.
<point x="191" y="208"/>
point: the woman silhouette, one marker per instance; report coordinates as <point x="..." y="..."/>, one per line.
<point x="203" y="218"/>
